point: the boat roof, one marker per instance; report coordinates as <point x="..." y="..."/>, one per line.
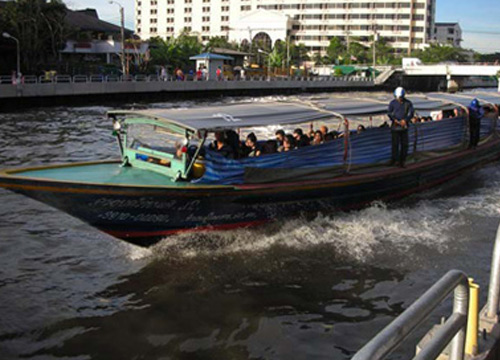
<point x="233" y="116"/>
<point x="296" y="111"/>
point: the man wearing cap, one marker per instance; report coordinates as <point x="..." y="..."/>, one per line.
<point x="400" y="112"/>
<point x="476" y="113"/>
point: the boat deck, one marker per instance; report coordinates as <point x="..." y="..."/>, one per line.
<point x="110" y="173"/>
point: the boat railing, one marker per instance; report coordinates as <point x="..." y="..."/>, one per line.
<point x="465" y="316"/>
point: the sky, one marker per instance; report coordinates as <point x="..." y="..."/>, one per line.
<point x="479" y="19"/>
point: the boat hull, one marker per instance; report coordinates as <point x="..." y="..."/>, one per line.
<point x="143" y="215"/>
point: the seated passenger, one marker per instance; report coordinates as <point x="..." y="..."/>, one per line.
<point x="300" y="139"/>
<point x="251" y="143"/>
<point x="318" y="138"/>
<point x="219" y="137"/>
<point x="270" y="147"/>
<point x="280" y="137"/>
<point x="360" y="129"/>
<point x="233" y="140"/>
<point x="288" y="143"/>
<point x="221" y="146"/>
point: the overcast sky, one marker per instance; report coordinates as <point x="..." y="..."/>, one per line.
<point x="479" y="19"/>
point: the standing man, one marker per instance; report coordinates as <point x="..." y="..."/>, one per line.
<point x="400" y="112"/>
<point x="476" y="113"/>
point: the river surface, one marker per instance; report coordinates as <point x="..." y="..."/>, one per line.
<point x="316" y="289"/>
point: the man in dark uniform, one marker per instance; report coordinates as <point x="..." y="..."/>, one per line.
<point x="476" y="113"/>
<point x="400" y="112"/>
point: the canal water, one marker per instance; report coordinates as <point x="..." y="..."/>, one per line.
<point x="299" y="289"/>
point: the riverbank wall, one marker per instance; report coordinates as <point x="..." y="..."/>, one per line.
<point x="103" y="92"/>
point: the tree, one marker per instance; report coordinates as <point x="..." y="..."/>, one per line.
<point x="436" y="53"/>
<point x="219" y="42"/>
<point x="175" y="52"/>
<point x="40" y="27"/>
<point x="335" y="50"/>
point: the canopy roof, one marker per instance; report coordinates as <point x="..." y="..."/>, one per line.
<point x="210" y="56"/>
<point x="244" y="115"/>
<point x="234" y="115"/>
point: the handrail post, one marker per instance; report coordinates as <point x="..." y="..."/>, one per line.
<point x="461" y="306"/>
<point x="494" y="287"/>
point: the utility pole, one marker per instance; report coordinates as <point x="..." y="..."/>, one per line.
<point x="122" y="20"/>
<point x="375" y="38"/>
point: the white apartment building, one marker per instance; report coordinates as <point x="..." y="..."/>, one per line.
<point x="406" y="24"/>
<point x="448" y="33"/>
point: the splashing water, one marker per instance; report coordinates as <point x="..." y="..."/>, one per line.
<point x="430" y="222"/>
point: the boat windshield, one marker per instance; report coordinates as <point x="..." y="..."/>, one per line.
<point x="153" y="137"/>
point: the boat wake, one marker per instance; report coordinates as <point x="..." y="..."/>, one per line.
<point x="424" y="224"/>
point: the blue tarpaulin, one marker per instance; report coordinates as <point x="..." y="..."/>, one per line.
<point x="370" y="147"/>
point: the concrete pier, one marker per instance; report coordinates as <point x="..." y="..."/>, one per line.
<point x="61" y="93"/>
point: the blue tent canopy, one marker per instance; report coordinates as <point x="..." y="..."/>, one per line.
<point x="210" y="56"/>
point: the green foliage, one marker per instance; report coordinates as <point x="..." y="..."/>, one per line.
<point x="338" y="72"/>
<point x="335" y="49"/>
<point x="219" y="42"/>
<point x="40" y="27"/>
<point x="175" y="52"/>
<point x="436" y="53"/>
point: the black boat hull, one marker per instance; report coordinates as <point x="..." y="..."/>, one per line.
<point x="144" y="215"/>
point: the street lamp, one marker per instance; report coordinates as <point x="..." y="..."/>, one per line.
<point x="18" y="73"/>
<point x="122" y="17"/>
<point x="268" y="62"/>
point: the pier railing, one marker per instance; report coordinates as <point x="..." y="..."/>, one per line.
<point x="65" y="79"/>
<point x="390" y="338"/>
<point x="454" y="328"/>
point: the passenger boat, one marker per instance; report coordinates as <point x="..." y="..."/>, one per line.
<point x="167" y="180"/>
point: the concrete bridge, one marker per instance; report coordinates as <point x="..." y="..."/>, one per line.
<point x="454" y="73"/>
<point x="452" y="70"/>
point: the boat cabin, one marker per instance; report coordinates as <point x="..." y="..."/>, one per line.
<point x="174" y="142"/>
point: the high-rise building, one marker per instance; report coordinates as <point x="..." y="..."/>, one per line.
<point x="448" y="33"/>
<point x="405" y="24"/>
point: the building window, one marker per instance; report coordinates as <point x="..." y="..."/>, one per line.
<point x="154" y="2"/>
<point x="170" y="11"/>
<point x="188" y="10"/>
<point x="224" y="18"/>
<point x="187" y="29"/>
<point x="205" y="18"/>
<point x="224" y="28"/>
<point x="246" y="8"/>
<point x="205" y="28"/>
<point x="187" y="19"/>
<point x="225" y="8"/>
<point x="451" y="31"/>
<point x="206" y="9"/>
<point x="170" y="2"/>
<point x="154" y="21"/>
<point x="154" y="11"/>
<point x="153" y="30"/>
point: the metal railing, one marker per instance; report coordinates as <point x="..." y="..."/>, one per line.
<point x="454" y="328"/>
<point x="94" y="78"/>
<point x="492" y="305"/>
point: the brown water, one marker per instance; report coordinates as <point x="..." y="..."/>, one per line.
<point x="293" y="290"/>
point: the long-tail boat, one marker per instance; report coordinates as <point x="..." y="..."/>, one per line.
<point x="167" y="180"/>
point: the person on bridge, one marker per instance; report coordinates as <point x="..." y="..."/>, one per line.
<point x="400" y="112"/>
<point x="476" y="113"/>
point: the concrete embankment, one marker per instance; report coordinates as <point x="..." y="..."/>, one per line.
<point x="55" y="93"/>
